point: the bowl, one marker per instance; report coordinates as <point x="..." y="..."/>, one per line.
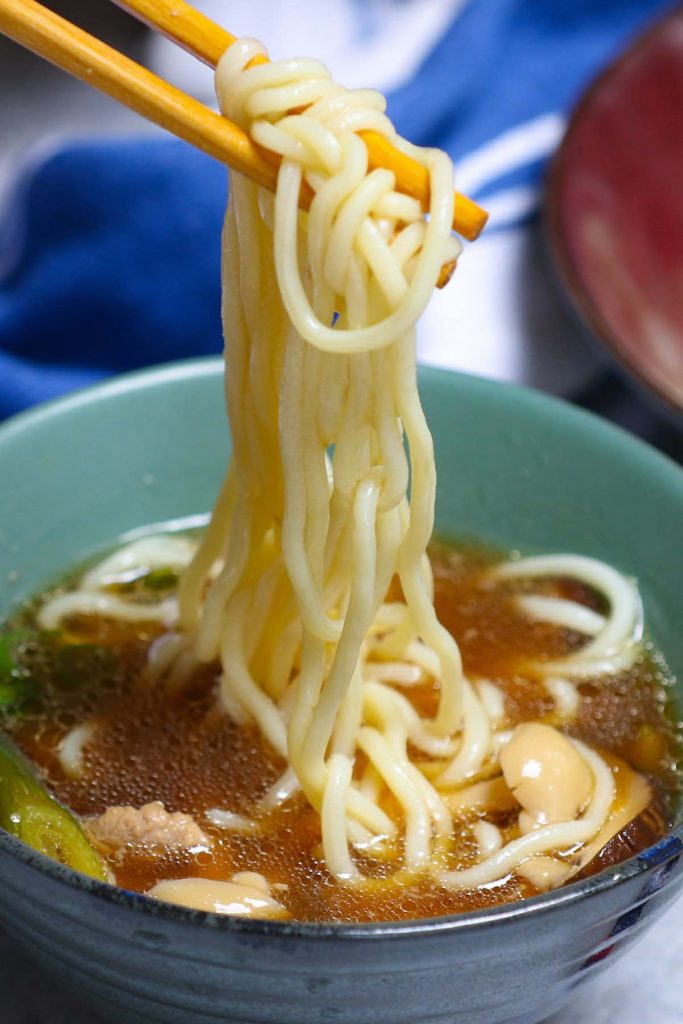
<point x="516" y="469"/>
<point x="614" y="212"/>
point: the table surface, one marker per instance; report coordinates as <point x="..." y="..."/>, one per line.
<point x="644" y="987"/>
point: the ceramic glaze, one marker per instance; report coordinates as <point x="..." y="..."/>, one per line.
<point x="516" y="470"/>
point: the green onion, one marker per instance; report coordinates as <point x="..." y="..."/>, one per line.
<point x="160" y="579"/>
<point x="16" y="683"/>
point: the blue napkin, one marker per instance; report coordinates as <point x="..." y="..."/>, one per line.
<point x="109" y="250"/>
<point x="109" y="260"/>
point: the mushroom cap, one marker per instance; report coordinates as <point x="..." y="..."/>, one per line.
<point x="243" y="896"/>
<point x="546" y="773"/>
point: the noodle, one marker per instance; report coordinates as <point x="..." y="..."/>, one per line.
<point x="327" y="533"/>
<point x="329" y="497"/>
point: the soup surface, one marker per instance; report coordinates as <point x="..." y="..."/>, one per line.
<point x="153" y="742"/>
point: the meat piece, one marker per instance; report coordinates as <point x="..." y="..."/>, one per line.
<point x="151" y="825"/>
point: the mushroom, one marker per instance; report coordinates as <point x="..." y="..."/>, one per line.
<point x="547" y="775"/>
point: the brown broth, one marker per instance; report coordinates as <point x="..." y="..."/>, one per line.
<point x="178" y="748"/>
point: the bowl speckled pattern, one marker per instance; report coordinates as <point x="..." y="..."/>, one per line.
<point x="516" y="469"/>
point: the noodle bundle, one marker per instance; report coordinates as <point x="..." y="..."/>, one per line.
<point x="314" y="519"/>
<point x="311" y="586"/>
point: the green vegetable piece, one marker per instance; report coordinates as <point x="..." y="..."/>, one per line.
<point x="16" y="684"/>
<point x="15" y="691"/>
<point x="10" y="639"/>
<point x="28" y="812"/>
<point x="6" y="656"/>
<point x="160" y="579"/>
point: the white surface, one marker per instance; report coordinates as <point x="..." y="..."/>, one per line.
<point x="644" y="987"/>
<point x="501" y="317"/>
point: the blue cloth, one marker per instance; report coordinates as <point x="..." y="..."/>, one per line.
<point x="504" y="62"/>
<point x="110" y="261"/>
<point x="109" y="251"/>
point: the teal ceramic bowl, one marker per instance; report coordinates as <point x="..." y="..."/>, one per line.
<point x="515" y="470"/>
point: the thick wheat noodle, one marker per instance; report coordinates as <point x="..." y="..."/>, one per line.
<point x="314" y="519"/>
<point x="614" y="643"/>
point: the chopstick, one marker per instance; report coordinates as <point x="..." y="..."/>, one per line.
<point x="89" y="59"/>
<point x="204" y="39"/>
<point x="82" y="55"/>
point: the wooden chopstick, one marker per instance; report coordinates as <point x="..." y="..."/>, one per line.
<point x="207" y="41"/>
<point x="82" y="55"/>
<point x="88" y="58"/>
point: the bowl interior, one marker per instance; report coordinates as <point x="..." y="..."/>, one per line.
<point x="516" y="470"/>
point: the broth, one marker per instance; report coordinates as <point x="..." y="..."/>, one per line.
<point x="179" y="748"/>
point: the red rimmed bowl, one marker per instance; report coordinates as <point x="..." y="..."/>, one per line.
<point x="615" y="211"/>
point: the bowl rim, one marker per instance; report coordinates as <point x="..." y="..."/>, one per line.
<point x="656" y="855"/>
<point x="584" y="307"/>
